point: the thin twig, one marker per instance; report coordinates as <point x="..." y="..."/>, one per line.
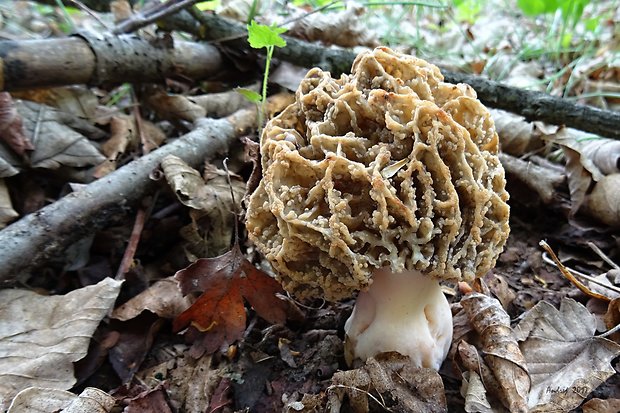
<point x="150" y="16"/>
<point x="380" y="403"/>
<point x="582" y="275"/>
<point x="570" y="276"/>
<point x="610" y="331"/>
<point x="601" y="254"/>
<point x="90" y="12"/>
<point x="132" y="245"/>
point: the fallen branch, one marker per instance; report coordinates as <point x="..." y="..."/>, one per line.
<point x="95" y="60"/>
<point x="529" y="104"/>
<point x="46" y="234"/>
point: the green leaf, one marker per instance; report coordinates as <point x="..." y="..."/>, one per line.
<point x="250" y="95"/>
<point x="536" y="7"/>
<point x="208" y="5"/>
<point x="260" y="35"/>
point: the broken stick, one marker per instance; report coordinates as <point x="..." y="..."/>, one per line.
<point x="45" y="234"/>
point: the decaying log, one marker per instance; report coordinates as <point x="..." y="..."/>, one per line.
<point x="529" y="104"/>
<point x="45" y="234"/>
<point x="99" y="59"/>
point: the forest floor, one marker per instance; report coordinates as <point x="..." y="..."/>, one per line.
<point x="96" y="218"/>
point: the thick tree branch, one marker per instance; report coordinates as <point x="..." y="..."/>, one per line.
<point x="532" y="105"/>
<point x="93" y="59"/>
<point x="47" y="233"/>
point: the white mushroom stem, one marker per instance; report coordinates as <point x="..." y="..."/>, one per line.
<point x="405" y="312"/>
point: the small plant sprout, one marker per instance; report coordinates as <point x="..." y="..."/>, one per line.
<point x="268" y="37"/>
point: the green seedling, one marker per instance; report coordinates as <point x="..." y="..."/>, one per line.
<point x="268" y="37"/>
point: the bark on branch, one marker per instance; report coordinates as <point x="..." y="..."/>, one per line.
<point x="100" y="59"/>
<point x="532" y="105"/>
<point x="34" y="239"/>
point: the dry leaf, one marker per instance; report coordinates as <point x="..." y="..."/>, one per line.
<point x="391" y="382"/>
<point x="218" y="316"/>
<point x="565" y="360"/>
<point x="11" y="126"/>
<point x="603" y="203"/>
<point x="175" y="107"/>
<point x="162" y="298"/>
<point x="579" y="179"/>
<point x="213" y="218"/>
<point x="78" y="100"/>
<point x="7" y="213"/>
<point x="342" y="28"/>
<point x="45" y="400"/>
<point x="121" y="133"/>
<point x="474" y="393"/>
<point x="190" y="382"/>
<point x="218" y="105"/>
<point x="602" y="406"/>
<point x="544" y="181"/>
<point x="500" y="349"/>
<point x="42" y="336"/>
<point x="58" y="137"/>
<point x="516" y="135"/>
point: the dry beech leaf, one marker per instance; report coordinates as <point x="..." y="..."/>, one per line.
<point x="500" y="349"/>
<point x="218" y="316"/>
<point x="42" y="336"/>
<point x="7" y="213"/>
<point x="603" y="203"/>
<point x="162" y="298"/>
<point x="388" y="381"/>
<point x="58" y="137"/>
<point x="11" y="126"/>
<point x="150" y="400"/>
<point x="45" y="400"/>
<point x="566" y="361"/>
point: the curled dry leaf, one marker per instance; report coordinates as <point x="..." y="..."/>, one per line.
<point x="500" y="349"/>
<point x="603" y="203"/>
<point x="162" y="298"/>
<point x="39" y="349"/>
<point x="544" y="181"/>
<point x="175" y="107"/>
<point x="218" y="316"/>
<point x="475" y="395"/>
<point x="566" y="361"/>
<point x="470" y="361"/>
<point x="11" y="126"/>
<point x="212" y="213"/>
<point x="516" y="135"/>
<point x="45" y="400"/>
<point x="388" y="381"/>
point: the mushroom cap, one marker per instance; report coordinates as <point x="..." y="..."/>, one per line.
<point x="386" y="167"/>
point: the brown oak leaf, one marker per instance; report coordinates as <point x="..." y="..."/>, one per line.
<point x="218" y="317"/>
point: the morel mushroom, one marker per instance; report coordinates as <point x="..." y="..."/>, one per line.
<point x="384" y="181"/>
